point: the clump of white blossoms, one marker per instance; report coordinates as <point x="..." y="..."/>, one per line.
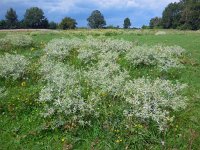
<point x="160" y="33"/>
<point x="63" y="94"/>
<point x="61" y="48"/>
<point x="106" y="78"/>
<point x="163" y="57"/>
<point x="3" y="92"/>
<point x="153" y="99"/>
<point x="16" y="40"/>
<point x="87" y="55"/>
<point x="73" y="94"/>
<point x="13" y="66"/>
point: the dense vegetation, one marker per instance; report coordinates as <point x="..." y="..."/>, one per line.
<point x="184" y="15"/>
<point x="179" y="15"/>
<point x="101" y="89"/>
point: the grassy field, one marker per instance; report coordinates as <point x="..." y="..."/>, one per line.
<point x="22" y="126"/>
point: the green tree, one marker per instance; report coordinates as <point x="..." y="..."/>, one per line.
<point x="145" y="27"/>
<point x="183" y="15"/>
<point x="96" y="20"/>
<point x="34" y="18"/>
<point x="68" y="23"/>
<point x="190" y="18"/>
<point x="127" y="23"/>
<point x="172" y="15"/>
<point x="52" y="25"/>
<point x="155" y="23"/>
<point x="11" y="19"/>
<point x="2" y="24"/>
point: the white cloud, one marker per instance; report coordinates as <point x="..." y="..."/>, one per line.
<point x="67" y="5"/>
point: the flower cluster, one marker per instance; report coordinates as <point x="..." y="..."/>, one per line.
<point x="63" y="93"/>
<point x="13" y="66"/>
<point x="106" y="76"/>
<point x="153" y="99"/>
<point x="74" y="93"/>
<point x="163" y="57"/>
<point x="16" y="40"/>
<point x="61" y="48"/>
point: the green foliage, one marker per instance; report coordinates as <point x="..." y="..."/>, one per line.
<point x="155" y="23"/>
<point x="15" y="41"/>
<point x="2" y="24"/>
<point x="190" y="18"/>
<point x="172" y="15"/>
<point x="112" y="27"/>
<point x="127" y="23"/>
<point x="182" y="15"/>
<point x="96" y="20"/>
<point x="11" y="19"/>
<point x="53" y="25"/>
<point x="34" y="18"/>
<point x="102" y="60"/>
<point x="145" y="27"/>
<point x="68" y="23"/>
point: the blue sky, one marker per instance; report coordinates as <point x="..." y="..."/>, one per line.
<point x="114" y="11"/>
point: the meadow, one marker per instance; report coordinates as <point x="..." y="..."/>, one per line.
<point x="99" y="89"/>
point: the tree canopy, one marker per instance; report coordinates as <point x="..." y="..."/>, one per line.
<point x="182" y="15"/>
<point x="52" y="25"/>
<point x="96" y="20"/>
<point x="34" y="18"/>
<point x="68" y="23"/>
<point x="3" y="24"/>
<point x="127" y="23"/>
<point x="155" y="23"/>
<point x="11" y="19"/>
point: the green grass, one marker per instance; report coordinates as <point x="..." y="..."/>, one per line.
<point x="21" y="126"/>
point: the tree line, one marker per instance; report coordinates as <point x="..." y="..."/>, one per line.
<point x="34" y="19"/>
<point x="179" y="15"/>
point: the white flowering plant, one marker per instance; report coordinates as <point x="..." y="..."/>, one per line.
<point x="61" y="48"/>
<point x="74" y="93"/>
<point x="154" y="100"/>
<point x="163" y="57"/>
<point x="13" y="66"/>
<point x="63" y="94"/>
<point x="16" y="41"/>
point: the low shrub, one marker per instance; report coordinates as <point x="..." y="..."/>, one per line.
<point x="163" y="57"/>
<point x="16" y="41"/>
<point x="13" y="66"/>
<point x="74" y="94"/>
<point x="62" y="96"/>
<point x="153" y="100"/>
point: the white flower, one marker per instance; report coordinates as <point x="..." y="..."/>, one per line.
<point x="13" y="66"/>
<point x="163" y="57"/>
<point x="154" y="99"/>
<point x="16" y="40"/>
